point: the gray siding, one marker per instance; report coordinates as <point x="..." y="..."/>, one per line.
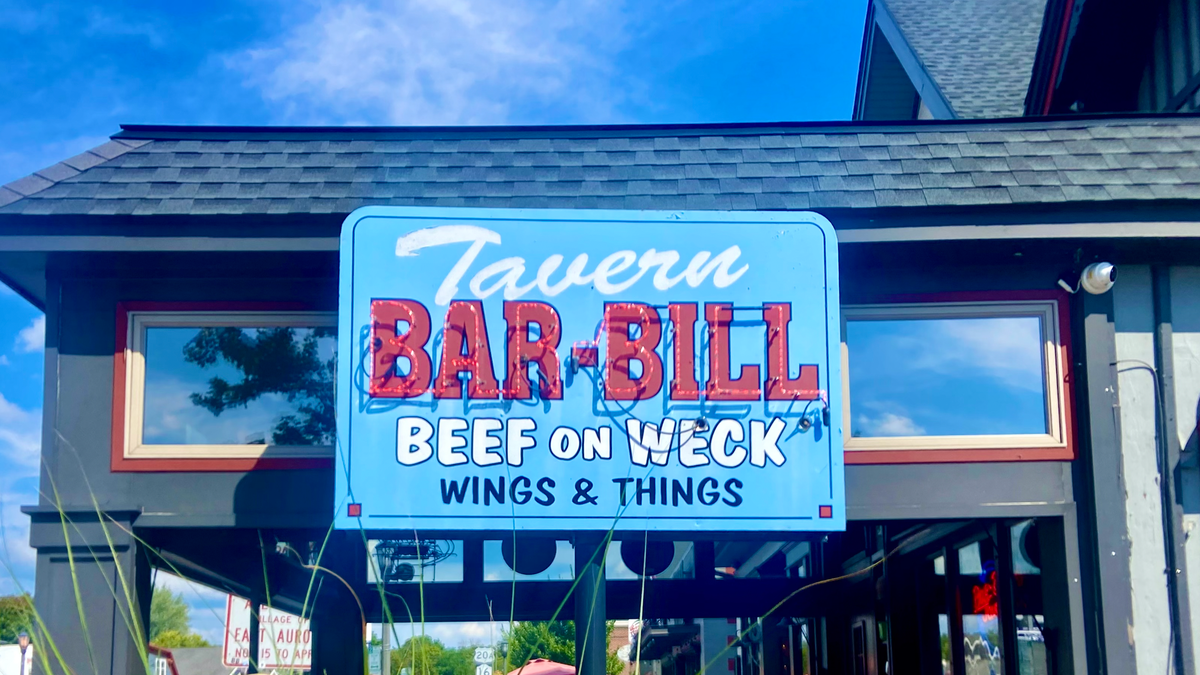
<point x="889" y="95"/>
<point x="1134" y="320"/>
<point x="1137" y="346"/>
<point x="81" y="336"/>
<point x="1185" y="310"/>
<point x="1174" y="61"/>
<point x="81" y="333"/>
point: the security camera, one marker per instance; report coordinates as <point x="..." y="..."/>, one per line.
<point x="1098" y="278"/>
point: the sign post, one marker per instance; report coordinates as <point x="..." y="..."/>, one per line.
<point x="586" y="370"/>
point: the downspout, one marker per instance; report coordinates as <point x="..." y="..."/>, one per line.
<point x="1052" y="81"/>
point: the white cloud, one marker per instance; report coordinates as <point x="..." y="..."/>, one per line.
<point x="4" y="360"/>
<point x="443" y="62"/>
<point x="171" y="417"/>
<point x="20" y="439"/>
<point x="1008" y="350"/>
<point x="888" y="424"/>
<point x="20" y="454"/>
<point x="32" y="338"/>
<point x="466" y="633"/>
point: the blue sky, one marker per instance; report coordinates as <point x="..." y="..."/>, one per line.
<point x="943" y="377"/>
<point x="71" y="72"/>
<point x="74" y="71"/>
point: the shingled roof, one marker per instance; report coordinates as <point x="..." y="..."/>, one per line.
<point x="206" y="170"/>
<point x="979" y="53"/>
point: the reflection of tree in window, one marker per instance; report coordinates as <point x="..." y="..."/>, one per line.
<point x="271" y="361"/>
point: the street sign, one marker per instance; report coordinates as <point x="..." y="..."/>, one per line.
<point x="375" y="659"/>
<point x="555" y="370"/>
<point x="284" y="640"/>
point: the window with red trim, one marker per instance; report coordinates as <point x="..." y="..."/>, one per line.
<point x="217" y="385"/>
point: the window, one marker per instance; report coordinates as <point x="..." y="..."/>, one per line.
<point x="415" y="561"/>
<point x="207" y="385"/>
<point x="955" y="381"/>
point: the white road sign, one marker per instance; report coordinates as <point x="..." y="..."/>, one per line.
<point x="284" y="640"/>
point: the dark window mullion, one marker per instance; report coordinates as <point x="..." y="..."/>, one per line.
<point x="954" y="613"/>
<point x="1004" y="589"/>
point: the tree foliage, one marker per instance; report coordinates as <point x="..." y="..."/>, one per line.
<point x="16" y="617"/>
<point x="553" y="640"/>
<point x="271" y="361"/>
<point x="168" y="612"/>
<point x="423" y="655"/>
<point x="170" y="623"/>
<point x="171" y="639"/>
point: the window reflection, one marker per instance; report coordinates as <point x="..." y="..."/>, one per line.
<point x="239" y="386"/>
<point x="561" y="565"/>
<point x="1027" y="599"/>
<point x="402" y="561"/>
<point x="981" y="613"/>
<point x="946" y="377"/>
<point x="935" y="581"/>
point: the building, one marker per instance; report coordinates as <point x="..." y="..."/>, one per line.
<point x="1013" y="510"/>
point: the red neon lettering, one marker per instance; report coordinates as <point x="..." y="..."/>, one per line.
<point x="985" y="597"/>
<point x="522" y="351"/>
<point x="684" y="386"/>
<point x="778" y="385"/>
<point x="618" y="385"/>
<point x="465" y="350"/>
<point x="387" y="347"/>
<point x="720" y="387"/>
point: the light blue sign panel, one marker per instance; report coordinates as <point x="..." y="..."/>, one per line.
<point x="583" y="370"/>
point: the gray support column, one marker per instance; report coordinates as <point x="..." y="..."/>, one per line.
<point x="1062" y="594"/>
<point x="92" y="592"/>
<point x="954" y="611"/>
<point x="338" y="638"/>
<point x="1174" y="537"/>
<point x="591" y="643"/>
<point x="339" y="633"/>
<point x="1100" y="493"/>
<point x="1004" y="582"/>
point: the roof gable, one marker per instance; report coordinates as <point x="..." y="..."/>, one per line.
<point x="979" y="53"/>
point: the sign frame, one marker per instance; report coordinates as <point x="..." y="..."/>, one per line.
<point x="352" y="513"/>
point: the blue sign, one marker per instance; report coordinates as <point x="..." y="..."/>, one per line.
<point x="586" y="370"/>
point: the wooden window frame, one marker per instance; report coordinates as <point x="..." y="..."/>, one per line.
<point x="1058" y="444"/>
<point x="128" y="451"/>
